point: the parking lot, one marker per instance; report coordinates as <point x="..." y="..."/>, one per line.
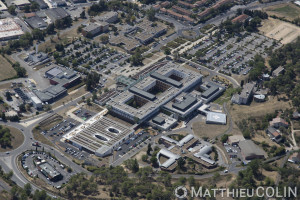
<point x="133" y="142"/>
<point x="32" y="170"/>
<point x="55" y="134"/>
<point x="84" y="114"/>
<point x="232" y="55"/>
<point x="61" y="128"/>
<point x="233" y="151"/>
<point x="87" y="55"/>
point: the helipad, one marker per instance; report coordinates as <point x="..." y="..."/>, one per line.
<point x="215" y="118"/>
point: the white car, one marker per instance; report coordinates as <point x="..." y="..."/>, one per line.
<point x="225" y="171"/>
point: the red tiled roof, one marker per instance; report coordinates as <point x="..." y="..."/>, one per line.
<point x="200" y="3"/>
<point x="182" y="10"/>
<point x="240" y="18"/>
<point x="165" y="4"/>
<point x="186" y="4"/>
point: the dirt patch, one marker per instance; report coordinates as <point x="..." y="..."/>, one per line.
<point x="17" y="140"/>
<point x="93" y="107"/>
<point x="5" y="86"/>
<point x="7" y="71"/>
<point x="211" y="131"/>
<point x="286" y="10"/>
<point x="39" y="137"/>
<point x="239" y="112"/>
<point x="279" y="30"/>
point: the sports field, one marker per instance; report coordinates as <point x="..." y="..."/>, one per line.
<point x="279" y="30"/>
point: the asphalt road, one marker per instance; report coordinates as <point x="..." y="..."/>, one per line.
<point x="8" y="161"/>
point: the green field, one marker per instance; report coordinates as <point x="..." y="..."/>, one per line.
<point x="286" y="10"/>
<point x="7" y="71"/>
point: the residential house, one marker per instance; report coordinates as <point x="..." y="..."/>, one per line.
<point x="278" y="122"/>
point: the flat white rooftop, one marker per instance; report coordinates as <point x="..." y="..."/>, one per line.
<point x="9" y="29"/>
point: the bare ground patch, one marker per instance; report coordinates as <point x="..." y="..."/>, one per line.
<point x="279" y="30"/>
<point x="202" y="129"/>
<point x="239" y="112"/>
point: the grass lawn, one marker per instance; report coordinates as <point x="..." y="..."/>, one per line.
<point x="287" y="10"/>
<point x="7" y="71"/>
<point x="39" y="137"/>
<point x="226" y="96"/>
<point x="17" y="139"/>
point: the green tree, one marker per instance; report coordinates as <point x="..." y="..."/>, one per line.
<point x="149" y="149"/>
<point x="104" y="39"/>
<point x="224" y="138"/>
<point x="167" y="51"/>
<point x="82" y="14"/>
<point x="151" y="14"/>
<point x="181" y="163"/>
<point x="27" y="189"/>
<point x="145" y="158"/>
<point x="12" y="10"/>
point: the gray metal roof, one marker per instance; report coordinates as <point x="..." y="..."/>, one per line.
<point x="186" y="103"/>
<point x="158" y="120"/>
<point x="42" y="4"/>
<point x="42" y="96"/>
<point x="55" y="90"/>
<point x="166" y="79"/>
<point x="210" y="91"/>
<point x="36" y="22"/>
<point x="54" y="71"/>
<point x="142" y="93"/>
<point x="57" y="13"/>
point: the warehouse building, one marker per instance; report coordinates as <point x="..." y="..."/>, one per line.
<point x="250" y="150"/>
<point x="57" y="14"/>
<point x="144" y="100"/>
<point x="42" y="4"/>
<point x="50" y="94"/>
<point x="36" y="22"/>
<point x="37" y="103"/>
<point x="9" y="29"/>
<point x="99" y="135"/>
